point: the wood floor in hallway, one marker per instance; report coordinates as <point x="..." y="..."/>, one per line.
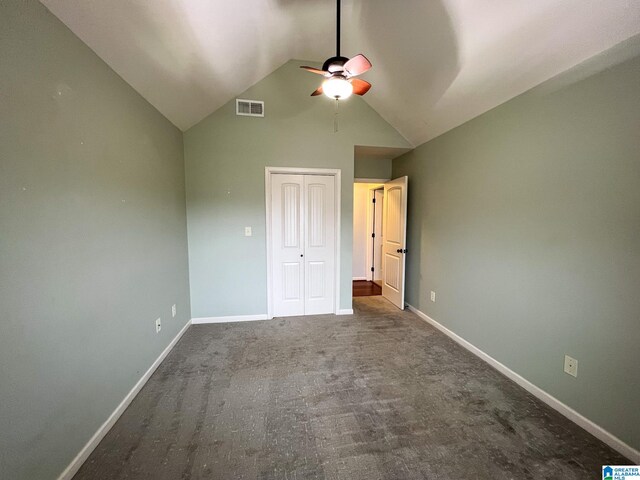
<point x="376" y="395"/>
<point x="365" y="288"/>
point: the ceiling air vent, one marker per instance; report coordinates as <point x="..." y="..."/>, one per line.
<point x="249" y="108"/>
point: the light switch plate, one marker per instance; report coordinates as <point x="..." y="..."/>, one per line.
<point x="247" y="231"/>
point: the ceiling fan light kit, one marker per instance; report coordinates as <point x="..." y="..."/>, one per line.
<point x="337" y="87"/>
<point x="340" y="71"/>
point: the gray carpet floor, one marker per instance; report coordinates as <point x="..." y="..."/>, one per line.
<point x="377" y="395"/>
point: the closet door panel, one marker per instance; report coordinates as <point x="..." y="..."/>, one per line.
<point x="287" y="227"/>
<point x="320" y="235"/>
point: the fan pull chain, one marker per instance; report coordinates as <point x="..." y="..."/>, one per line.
<point x="335" y="117"/>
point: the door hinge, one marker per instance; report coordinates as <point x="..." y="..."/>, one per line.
<point x="374" y="200"/>
<point x="373" y="235"/>
<point x="372" y="269"/>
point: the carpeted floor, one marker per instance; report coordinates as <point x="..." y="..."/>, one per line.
<point x="377" y="395"/>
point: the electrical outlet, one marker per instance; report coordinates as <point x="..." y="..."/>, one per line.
<point x="173" y="310"/>
<point x="158" y="325"/>
<point x="570" y="366"/>
<point x="433" y="296"/>
<point x="247" y="231"/>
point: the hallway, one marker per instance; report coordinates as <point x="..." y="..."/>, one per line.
<point x="365" y="288"/>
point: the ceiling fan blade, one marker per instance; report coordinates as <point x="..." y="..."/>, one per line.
<point x="360" y="87"/>
<point x="357" y="65"/>
<point x="317" y="92"/>
<point x="314" y="70"/>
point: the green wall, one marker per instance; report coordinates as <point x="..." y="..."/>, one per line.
<point x="526" y="223"/>
<point x="372" y="167"/>
<point x="225" y="156"/>
<point x="93" y="241"/>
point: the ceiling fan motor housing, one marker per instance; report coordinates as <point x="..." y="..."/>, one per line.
<point x="334" y="64"/>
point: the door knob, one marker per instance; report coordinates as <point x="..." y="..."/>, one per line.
<point x="399" y="250"/>
<point x="301" y="255"/>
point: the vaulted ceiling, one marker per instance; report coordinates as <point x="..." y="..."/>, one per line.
<point x="437" y="63"/>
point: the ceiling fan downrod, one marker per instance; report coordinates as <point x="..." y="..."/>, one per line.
<point x="338" y="31"/>
<point x="339" y="71"/>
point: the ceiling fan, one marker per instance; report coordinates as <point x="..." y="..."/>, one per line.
<point x="340" y="72"/>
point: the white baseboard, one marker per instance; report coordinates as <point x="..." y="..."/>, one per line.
<point x="233" y="318"/>
<point x="249" y="318"/>
<point x="591" y="427"/>
<point x="359" y="278"/>
<point x="93" y="442"/>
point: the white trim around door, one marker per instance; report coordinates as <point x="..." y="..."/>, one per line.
<point x="370" y="180"/>
<point x="337" y="174"/>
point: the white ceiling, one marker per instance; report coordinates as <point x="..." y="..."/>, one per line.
<point x="437" y="63"/>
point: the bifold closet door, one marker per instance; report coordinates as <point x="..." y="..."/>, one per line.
<point x="320" y="235"/>
<point x="287" y="244"/>
<point x="303" y="244"/>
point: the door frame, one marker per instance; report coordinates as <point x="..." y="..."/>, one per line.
<point x="371" y="207"/>
<point x="336" y="173"/>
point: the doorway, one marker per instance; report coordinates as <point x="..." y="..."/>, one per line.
<point x="379" y="239"/>
<point x="367" y="237"/>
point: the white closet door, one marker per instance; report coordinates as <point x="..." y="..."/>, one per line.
<point x="394" y="225"/>
<point x="320" y="234"/>
<point x="287" y="196"/>
<point x="303" y="244"/>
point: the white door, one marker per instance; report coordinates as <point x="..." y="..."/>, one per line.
<point x="287" y="244"/>
<point x="303" y="244"/>
<point x="319" y="251"/>
<point x="394" y="225"/>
